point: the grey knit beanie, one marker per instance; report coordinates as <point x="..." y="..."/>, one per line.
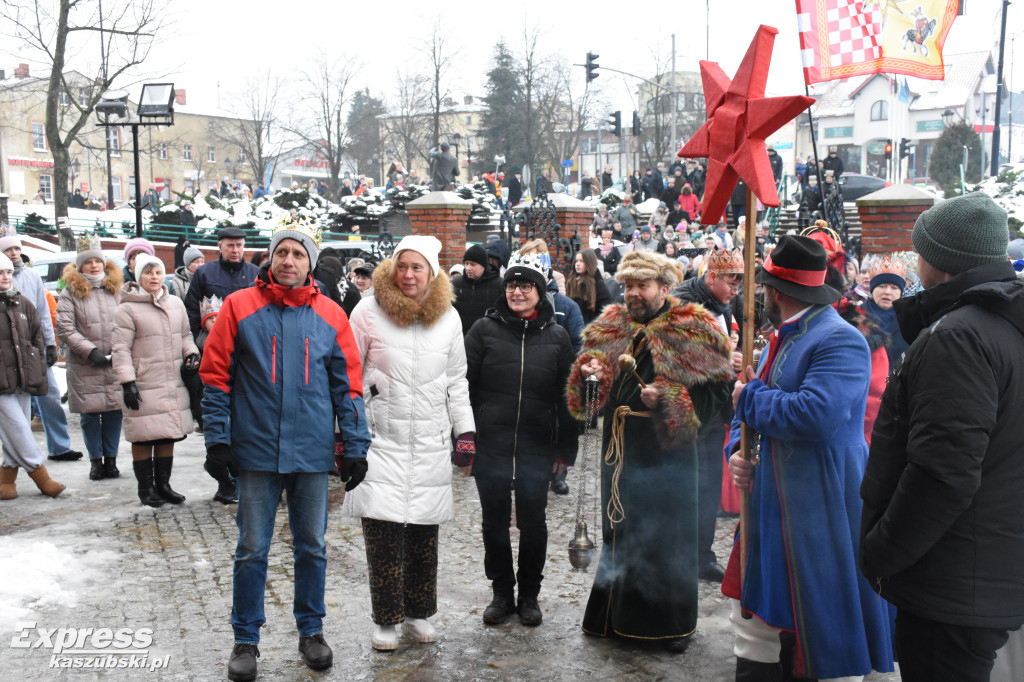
<point x="191" y="253"/>
<point x="962" y="233"/>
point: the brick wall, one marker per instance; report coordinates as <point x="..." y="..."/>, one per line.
<point x="888" y="216"/>
<point x="443" y="215"/>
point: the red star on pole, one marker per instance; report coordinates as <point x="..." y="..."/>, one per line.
<point x="740" y="117"/>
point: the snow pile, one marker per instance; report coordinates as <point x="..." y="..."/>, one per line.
<point x="37" y="574"/>
<point x="1007" y="190"/>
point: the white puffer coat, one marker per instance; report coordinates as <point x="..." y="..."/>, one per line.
<point x="414" y="385"/>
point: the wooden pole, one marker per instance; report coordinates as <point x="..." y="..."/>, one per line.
<point x="749" y="242"/>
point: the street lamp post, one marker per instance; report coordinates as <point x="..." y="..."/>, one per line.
<point x="469" y="159"/>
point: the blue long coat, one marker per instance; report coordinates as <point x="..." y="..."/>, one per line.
<point x="802" y="570"/>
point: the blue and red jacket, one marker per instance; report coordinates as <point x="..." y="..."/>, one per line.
<point x="279" y="366"/>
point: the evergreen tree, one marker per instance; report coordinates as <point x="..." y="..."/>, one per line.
<point x="364" y="130"/>
<point x="502" y="122"/>
<point x="948" y="154"/>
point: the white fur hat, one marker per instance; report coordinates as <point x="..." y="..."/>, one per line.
<point x="425" y="245"/>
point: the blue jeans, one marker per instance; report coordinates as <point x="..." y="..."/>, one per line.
<point x="258" y="496"/>
<point x="101" y="432"/>
<point x="55" y="422"/>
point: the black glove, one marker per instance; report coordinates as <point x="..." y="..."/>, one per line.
<point x="97" y="358"/>
<point x="353" y="471"/>
<point x="220" y="461"/>
<point x="192" y="364"/>
<point x="132" y="399"/>
<point x="51" y="356"/>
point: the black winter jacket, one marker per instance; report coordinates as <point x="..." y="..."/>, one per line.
<point x="517" y="371"/>
<point x="218" y="278"/>
<point x="474" y="297"/>
<point x="22" y="353"/>
<point x="942" y="534"/>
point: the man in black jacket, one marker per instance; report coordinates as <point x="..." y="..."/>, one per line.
<point x="942" y="536"/>
<point x="478" y="289"/>
<point x="713" y="290"/>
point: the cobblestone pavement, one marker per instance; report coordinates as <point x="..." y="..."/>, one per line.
<point x="170" y="569"/>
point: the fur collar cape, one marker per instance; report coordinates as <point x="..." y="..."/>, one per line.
<point x="404" y="311"/>
<point x="687" y="348"/>
<point x="79" y="286"/>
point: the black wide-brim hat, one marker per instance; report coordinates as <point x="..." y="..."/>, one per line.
<point x="797" y="268"/>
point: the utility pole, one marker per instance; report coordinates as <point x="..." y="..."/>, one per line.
<point x="999" y="93"/>
<point x="674" y="147"/>
<point x="106" y="131"/>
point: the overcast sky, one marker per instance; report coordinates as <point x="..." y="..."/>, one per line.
<point x="211" y="42"/>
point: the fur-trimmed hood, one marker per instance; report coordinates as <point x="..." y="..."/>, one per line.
<point x="403" y="310"/>
<point x="79" y="286"/>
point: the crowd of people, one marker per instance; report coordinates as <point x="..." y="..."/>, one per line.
<point x="883" y="452"/>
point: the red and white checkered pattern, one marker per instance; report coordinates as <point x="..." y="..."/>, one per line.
<point x="853" y="32"/>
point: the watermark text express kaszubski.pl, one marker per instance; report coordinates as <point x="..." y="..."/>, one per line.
<point x="96" y="648"/>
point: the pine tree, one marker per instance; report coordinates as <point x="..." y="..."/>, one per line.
<point x="948" y="154"/>
<point x="502" y="122"/>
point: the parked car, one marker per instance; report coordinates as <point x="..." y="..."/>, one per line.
<point x="50" y="267"/>
<point x="854" y="185"/>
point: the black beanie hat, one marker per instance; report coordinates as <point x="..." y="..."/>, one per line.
<point x="476" y="254"/>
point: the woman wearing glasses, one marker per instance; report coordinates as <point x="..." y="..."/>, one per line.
<point x="518" y="365"/>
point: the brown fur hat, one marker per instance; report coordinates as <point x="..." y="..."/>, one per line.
<point x="647" y="265"/>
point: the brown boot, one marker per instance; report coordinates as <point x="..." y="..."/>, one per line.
<point x="7" y="489"/>
<point x="46" y="485"/>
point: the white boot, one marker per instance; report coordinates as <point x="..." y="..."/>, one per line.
<point x="420" y="629"/>
<point x="385" y="638"/>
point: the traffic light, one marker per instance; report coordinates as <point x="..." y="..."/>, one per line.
<point x="636" y="123"/>
<point x="888" y="148"/>
<point x="592" y="66"/>
<point x="615" y="121"/>
<point x="904" y="148"/>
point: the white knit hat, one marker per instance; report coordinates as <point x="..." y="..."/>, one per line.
<point x="425" y="245"/>
<point x="144" y="259"/>
<point x="5" y="262"/>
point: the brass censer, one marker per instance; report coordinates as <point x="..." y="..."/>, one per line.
<point x="581" y="547"/>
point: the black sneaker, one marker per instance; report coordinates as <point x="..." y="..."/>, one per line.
<point x="227" y="492"/>
<point x="529" y="611"/>
<point x="559" y="487"/>
<point x="96" y="470"/>
<point x="69" y="456"/>
<point x="498" y="611"/>
<point x="242" y="664"/>
<point x="712" y="572"/>
<point x="316" y="654"/>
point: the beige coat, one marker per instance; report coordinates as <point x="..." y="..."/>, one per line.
<point x="85" y="320"/>
<point x="151" y="340"/>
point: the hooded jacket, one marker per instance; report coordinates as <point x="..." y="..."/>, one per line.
<point x="517" y="373"/>
<point x="414" y="373"/>
<point x="22" y="353"/>
<point x="474" y="297"/>
<point x="150" y="341"/>
<point x="942" y="535"/>
<point x="85" y="322"/>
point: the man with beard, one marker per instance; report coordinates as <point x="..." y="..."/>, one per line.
<point x="713" y="290"/>
<point x="645" y="589"/>
<point x="813" y="613"/>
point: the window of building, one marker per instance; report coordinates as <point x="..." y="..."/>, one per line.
<point x="211" y="155"/>
<point x="46" y="186"/>
<point x="114" y="140"/>
<point x="190" y="187"/>
<point x="469" y="120"/>
<point x="83" y="96"/>
<point x="187" y="151"/>
<point x="880" y="111"/>
<point x="161" y="151"/>
<point x="63" y="99"/>
<point x="115" y="184"/>
<point x="38" y="137"/>
<point x="241" y="156"/>
<point x="131" y="188"/>
<point x="209" y="126"/>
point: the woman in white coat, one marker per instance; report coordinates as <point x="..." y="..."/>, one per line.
<point x="414" y="384"/>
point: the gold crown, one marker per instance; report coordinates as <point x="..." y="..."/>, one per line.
<point x="303" y="226"/>
<point x="89" y="242"/>
<point x="209" y="305"/>
<point x="888" y="266"/>
<point x="7" y="230"/>
<point x="726" y="262"/>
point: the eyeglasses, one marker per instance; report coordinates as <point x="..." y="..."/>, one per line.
<point x="525" y="287"/>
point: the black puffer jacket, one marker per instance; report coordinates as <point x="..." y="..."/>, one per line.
<point x="22" y="356"/>
<point x="517" y="371"/>
<point x="474" y="297"/>
<point x="942" y="534"/>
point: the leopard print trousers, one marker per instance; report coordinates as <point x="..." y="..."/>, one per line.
<point x="402" y="561"/>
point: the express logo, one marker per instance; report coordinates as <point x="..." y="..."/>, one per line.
<point x="90" y="647"/>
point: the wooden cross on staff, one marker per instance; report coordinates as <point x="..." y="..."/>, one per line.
<point x="740" y="118"/>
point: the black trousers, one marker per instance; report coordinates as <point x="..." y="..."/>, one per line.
<point x="710" y="443"/>
<point x="531" y="498"/>
<point x="930" y="651"/>
<point x="402" y="562"/>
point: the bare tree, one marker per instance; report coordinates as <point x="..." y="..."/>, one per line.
<point x="406" y="129"/>
<point x="320" y="119"/>
<point x="257" y="132"/>
<point x="564" y="107"/>
<point x="439" y="63"/>
<point x="130" y="27"/>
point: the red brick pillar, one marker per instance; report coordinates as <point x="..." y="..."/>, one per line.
<point x="887" y="218"/>
<point x="574" y="218"/>
<point x="443" y="215"/>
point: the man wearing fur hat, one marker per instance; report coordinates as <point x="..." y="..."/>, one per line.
<point x="280" y="367"/>
<point x="802" y="608"/>
<point x="645" y="588"/>
<point x="714" y="290"/>
<point x="942" y="533"/>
